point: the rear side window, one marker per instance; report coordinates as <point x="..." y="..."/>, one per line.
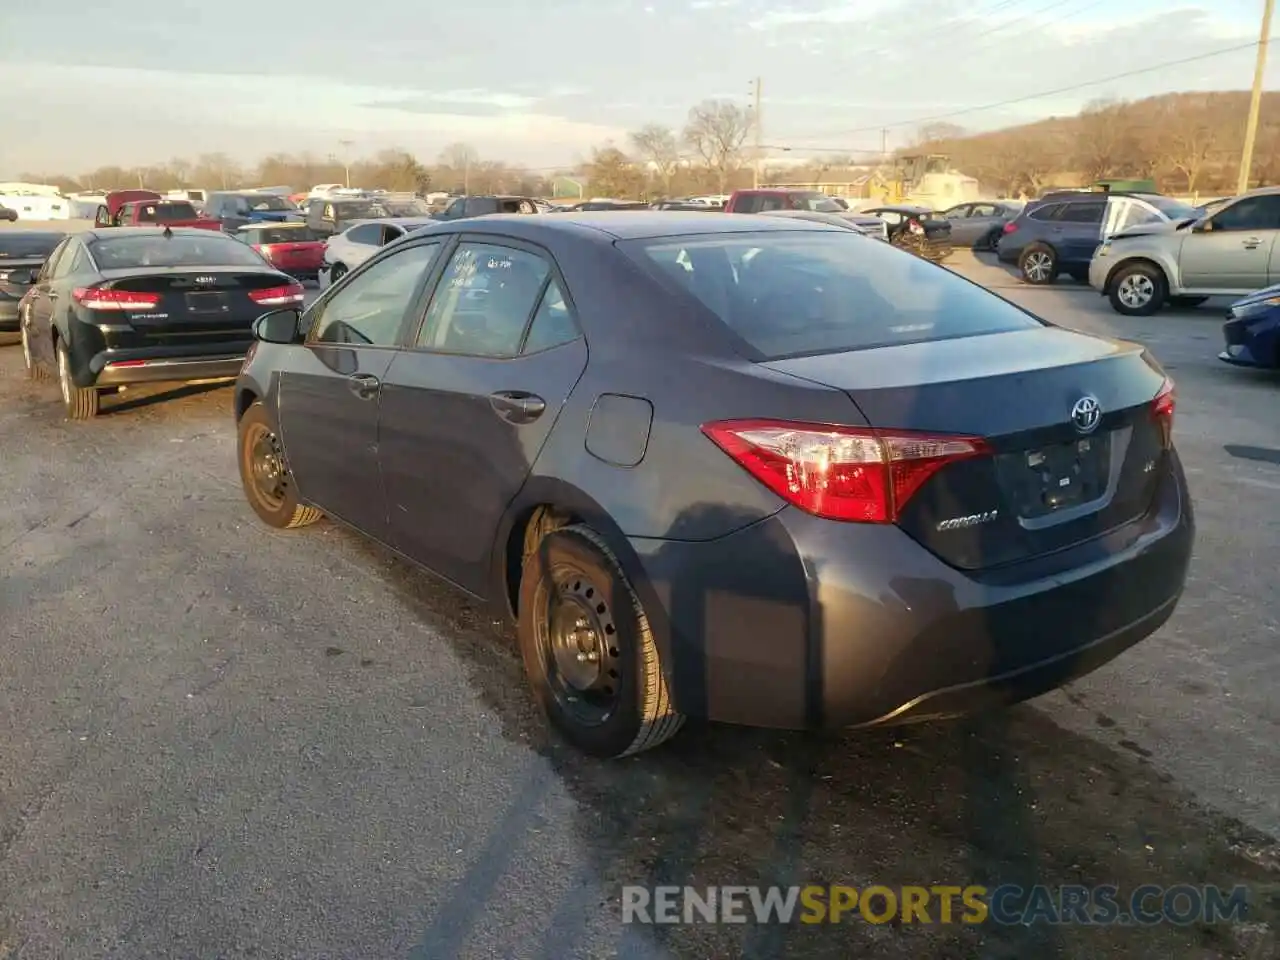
<point x="1082" y="213"/>
<point x="1047" y="211"/>
<point x="369" y="233"/>
<point x="791" y="294"/>
<point x="180" y="250"/>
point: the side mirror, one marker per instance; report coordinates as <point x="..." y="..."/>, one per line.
<point x="1203" y="226"/>
<point x="279" y="326"/>
<point x="22" y="277"/>
<point x="102" y="218"/>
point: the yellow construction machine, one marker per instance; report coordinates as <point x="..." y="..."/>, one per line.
<point x="899" y="180"/>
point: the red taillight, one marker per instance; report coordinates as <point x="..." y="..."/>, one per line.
<point x="840" y="473"/>
<point x="1162" y="408"/>
<point x="98" y="298"/>
<point x="1010" y="227"/>
<point x="278" y="296"/>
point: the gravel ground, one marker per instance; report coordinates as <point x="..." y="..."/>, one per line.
<point x="221" y="742"/>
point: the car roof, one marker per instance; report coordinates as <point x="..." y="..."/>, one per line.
<point x="632" y="224"/>
<point x="274" y="225"/>
<point x="106" y="233"/>
<point x="903" y="208"/>
<point x="398" y="221"/>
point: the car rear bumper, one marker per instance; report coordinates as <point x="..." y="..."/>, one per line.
<point x="795" y="622"/>
<point x="169" y="370"/>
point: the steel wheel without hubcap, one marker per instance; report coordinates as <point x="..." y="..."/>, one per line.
<point x="576" y="638"/>
<point x="1136" y="291"/>
<point x="1038" y="267"/>
<point x="266" y="467"/>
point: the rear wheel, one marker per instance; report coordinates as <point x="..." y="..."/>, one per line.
<point x="268" y="484"/>
<point x="81" y="403"/>
<point x="1038" y="264"/>
<point x="337" y="272"/>
<point x="588" y="650"/>
<point x="1138" y="290"/>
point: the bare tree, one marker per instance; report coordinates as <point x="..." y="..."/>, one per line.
<point x="1104" y="140"/>
<point x="459" y="156"/>
<point x="657" y="145"/>
<point x="938" y="132"/>
<point x="715" y="132"/>
<point x="612" y="174"/>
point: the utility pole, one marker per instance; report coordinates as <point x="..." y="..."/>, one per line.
<point x="1255" y="101"/>
<point x="884" y="146"/>
<point x="758" y="131"/>
<point x="346" y="160"/>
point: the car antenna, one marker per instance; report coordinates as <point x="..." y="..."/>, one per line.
<point x="167" y="231"/>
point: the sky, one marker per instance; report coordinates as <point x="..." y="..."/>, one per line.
<point x="539" y="82"/>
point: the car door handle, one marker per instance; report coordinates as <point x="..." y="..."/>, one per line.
<point x="364" y="385"/>
<point x="53" y="295"/>
<point x="517" y="406"/>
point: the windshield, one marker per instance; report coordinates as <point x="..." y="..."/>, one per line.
<point x="795" y="293"/>
<point x="27" y="246"/>
<point x="406" y="208"/>
<point x="1173" y="209"/>
<point x="179" y="250"/>
<point x="360" y="210"/>
<point x="820" y="203"/>
<point x="282" y="235"/>
<point x="266" y="201"/>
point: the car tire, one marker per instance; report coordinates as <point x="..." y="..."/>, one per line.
<point x="80" y="403"/>
<point x="601" y="683"/>
<point x="991" y="242"/>
<point x="1187" y="302"/>
<point x="35" y="371"/>
<point x="336" y="273"/>
<point x="1138" y="289"/>
<point x="258" y="452"/>
<point x="1038" y="264"/>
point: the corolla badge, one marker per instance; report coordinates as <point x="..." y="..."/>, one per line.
<point x="1086" y="414"/>
<point x="972" y="520"/>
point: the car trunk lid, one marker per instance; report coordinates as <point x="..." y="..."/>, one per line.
<point x="1054" y="477"/>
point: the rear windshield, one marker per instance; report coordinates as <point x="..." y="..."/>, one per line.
<point x="282" y="235"/>
<point x="27" y="246"/>
<point x="406" y="208"/>
<point x="166" y="212"/>
<point x="179" y="250"/>
<point x="809" y="292"/>
<point x="267" y="201"/>
<point x="360" y="210"/>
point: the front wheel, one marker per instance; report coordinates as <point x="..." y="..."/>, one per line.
<point x="1038" y="264"/>
<point x="336" y="273"/>
<point x="264" y="474"/>
<point x="1138" y="290"/>
<point x="588" y="650"/>
<point x="81" y="403"/>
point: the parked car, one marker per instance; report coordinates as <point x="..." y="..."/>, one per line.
<point x="1252" y="330"/>
<point x="1230" y="252"/>
<point x="292" y="248"/>
<point x="8" y="213"/>
<point x="754" y="470"/>
<point x="235" y="209"/>
<point x="871" y="226"/>
<point x="332" y="215"/>
<point x="347" y="250"/>
<point x="769" y="199"/>
<point x="22" y="254"/>
<point x="981" y="224"/>
<point x="684" y="206"/>
<point x="116" y="307"/>
<point x="153" y="213"/>
<point x="1059" y="233"/>
<point x="916" y="229"/>
<point x="462" y="208"/>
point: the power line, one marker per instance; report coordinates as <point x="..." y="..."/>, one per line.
<point x="1042" y="95"/>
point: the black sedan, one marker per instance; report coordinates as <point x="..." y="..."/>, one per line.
<point x="917" y="229"/>
<point x="743" y="468"/>
<point x="130" y="305"/>
<point x="22" y="254"/>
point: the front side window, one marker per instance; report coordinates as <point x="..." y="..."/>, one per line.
<point x="1251" y="213"/>
<point x="370" y="308"/>
<point x="484" y="300"/>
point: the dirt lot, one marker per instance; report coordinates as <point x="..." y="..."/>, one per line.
<point x="224" y="742"/>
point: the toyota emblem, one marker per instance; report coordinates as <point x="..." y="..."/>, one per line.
<point x="1086" y="414"/>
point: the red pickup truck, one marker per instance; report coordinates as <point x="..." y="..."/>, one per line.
<point x="141" y="208"/>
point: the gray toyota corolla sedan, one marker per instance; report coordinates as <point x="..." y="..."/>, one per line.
<point x="748" y="469"/>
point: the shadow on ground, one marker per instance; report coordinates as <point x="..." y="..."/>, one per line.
<point x="1007" y="798"/>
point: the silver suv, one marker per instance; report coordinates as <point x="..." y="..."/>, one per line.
<point x="1230" y="251"/>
